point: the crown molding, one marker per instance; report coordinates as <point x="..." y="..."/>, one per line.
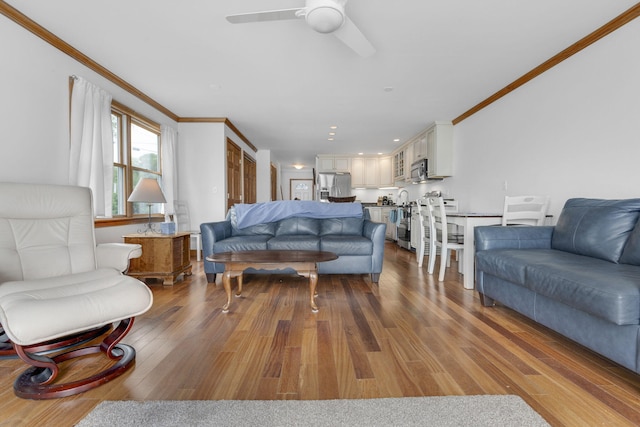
<point x="224" y="120"/>
<point x="55" y="41"/>
<point x="611" y="26"/>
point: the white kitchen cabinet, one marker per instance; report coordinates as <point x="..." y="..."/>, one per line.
<point x="439" y="137"/>
<point x="357" y="172"/>
<point x="402" y="163"/>
<point x="375" y="213"/>
<point x="385" y="171"/>
<point x="371" y="177"/>
<point x="420" y="147"/>
<point x="399" y="165"/>
<point x="371" y="172"/>
<point x="333" y="164"/>
<point x="391" y="227"/>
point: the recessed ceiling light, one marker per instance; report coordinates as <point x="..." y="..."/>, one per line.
<point x="396" y="140"/>
<point x="379" y="154"/>
<point x="333" y="127"/>
<point x="360" y="154"/>
<point x="330" y="139"/>
<point x="332" y="133"/>
<point x="298" y="166"/>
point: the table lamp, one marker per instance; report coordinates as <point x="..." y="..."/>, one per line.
<point x="147" y="191"/>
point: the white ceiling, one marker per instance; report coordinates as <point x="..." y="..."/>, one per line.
<point x="282" y="84"/>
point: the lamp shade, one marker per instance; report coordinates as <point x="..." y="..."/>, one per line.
<point x="147" y="191"/>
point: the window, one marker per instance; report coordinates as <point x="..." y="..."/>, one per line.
<point x="136" y="155"/>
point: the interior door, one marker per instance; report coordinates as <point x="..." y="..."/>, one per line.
<point x="274" y="182"/>
<point x="301" y="189"/>
<point x="234" y="174"/>
<point x="249" y="175"/>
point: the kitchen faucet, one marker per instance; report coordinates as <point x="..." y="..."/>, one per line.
<point x="406" y="193"/>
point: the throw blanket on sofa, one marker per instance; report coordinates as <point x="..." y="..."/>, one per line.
<point x="261" y="213"/>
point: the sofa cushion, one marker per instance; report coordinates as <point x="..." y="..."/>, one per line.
<point x="298" y="225"/>
<point x="302" y="242"/>
<point x="596" y="228"/>
<point x="242" y="243"/>
<point x="268" y="229"/>
<point x="342" y="226"/>
<point x="507" y="264"/>
<point x="603" y="289"/>
<point x="346" y="245"/>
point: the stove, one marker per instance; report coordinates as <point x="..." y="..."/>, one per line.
<point x="404" y="227"/>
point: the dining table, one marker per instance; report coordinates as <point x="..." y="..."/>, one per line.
<point x="468" y="221"/>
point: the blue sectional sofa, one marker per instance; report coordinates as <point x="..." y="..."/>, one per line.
<point x="580" y="278"/>
<point x="300" y="225"/>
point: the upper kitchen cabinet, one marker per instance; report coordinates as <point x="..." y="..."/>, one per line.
<point x="333" y="164"/>
<point x="371" y="172"/>
<point x="402" y="163"/>
<point x="420" y="147"/>
<point x="385" y="171"/>
<point x="439" y="140"/>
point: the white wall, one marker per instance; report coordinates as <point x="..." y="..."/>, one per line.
<point x="202" y="171"/>
<point x="34" y="111"/>
<point x="202" y="164"/>
<point x="574" y="131"/>
<point x="263" y="176"/>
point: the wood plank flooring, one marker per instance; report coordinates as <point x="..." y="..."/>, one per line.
<point x="408" y="336"/>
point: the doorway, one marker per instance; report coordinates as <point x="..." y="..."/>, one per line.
<point x="234" y="174"/>
<point x="301" y="189"/>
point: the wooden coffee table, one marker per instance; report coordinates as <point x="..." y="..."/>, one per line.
<point x="304" y="262"/>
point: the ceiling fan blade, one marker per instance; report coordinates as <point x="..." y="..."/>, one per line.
<point x="350" y="35"/>
<point x="268" y="15"/>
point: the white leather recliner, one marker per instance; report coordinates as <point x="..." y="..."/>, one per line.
<point x="58" y="288"/>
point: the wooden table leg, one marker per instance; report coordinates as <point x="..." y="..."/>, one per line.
<point x="239" y="285"/>
<point x="226" y="282"/>
<point x="313" y="281"/>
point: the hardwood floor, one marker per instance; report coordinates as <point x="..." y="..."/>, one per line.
<point x="408" y="336"/>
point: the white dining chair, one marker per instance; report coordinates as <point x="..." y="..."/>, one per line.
<point x="423" y="231"/>
<point x="441" y="238"/>
<point x="183" y="223"/>
<point x="525" y="210"/>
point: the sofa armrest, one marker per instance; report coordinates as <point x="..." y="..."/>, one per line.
<point x="513" y="237"/>
<point x="213" y="232"/>
<point x="376" y="232"/>
<point x="117" y="255"/>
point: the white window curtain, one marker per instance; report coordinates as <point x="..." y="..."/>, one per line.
<point x="91" y="148"/>
<point x="169" y="138"/>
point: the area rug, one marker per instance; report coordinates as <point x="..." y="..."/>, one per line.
<point x="477" y="411"/>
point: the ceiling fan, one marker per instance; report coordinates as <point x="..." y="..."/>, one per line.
<point x="324" y="16"/>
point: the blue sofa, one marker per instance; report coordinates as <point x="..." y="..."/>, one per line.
<point x="580" y="278"/>
<point x="358" y="242"/>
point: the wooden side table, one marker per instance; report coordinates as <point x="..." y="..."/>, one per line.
<point x="164" y="256"/>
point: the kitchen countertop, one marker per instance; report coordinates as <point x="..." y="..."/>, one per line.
<point x="375" y="205"/>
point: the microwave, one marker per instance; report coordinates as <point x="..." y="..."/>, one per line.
<point x="419" y="170"/>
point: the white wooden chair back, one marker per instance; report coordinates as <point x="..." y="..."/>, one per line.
<point x="440" y="236"/>
<point x="525" y="210"/>
<point x="183" y="223"/>
<point x="424" y="241"/>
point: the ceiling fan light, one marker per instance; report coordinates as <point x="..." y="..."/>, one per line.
<point x="325" y="19"/>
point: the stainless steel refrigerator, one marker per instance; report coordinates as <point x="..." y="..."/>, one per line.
<point x="333" y="184"/>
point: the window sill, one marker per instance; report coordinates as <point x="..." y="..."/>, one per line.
<point x="118" y="222"/>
